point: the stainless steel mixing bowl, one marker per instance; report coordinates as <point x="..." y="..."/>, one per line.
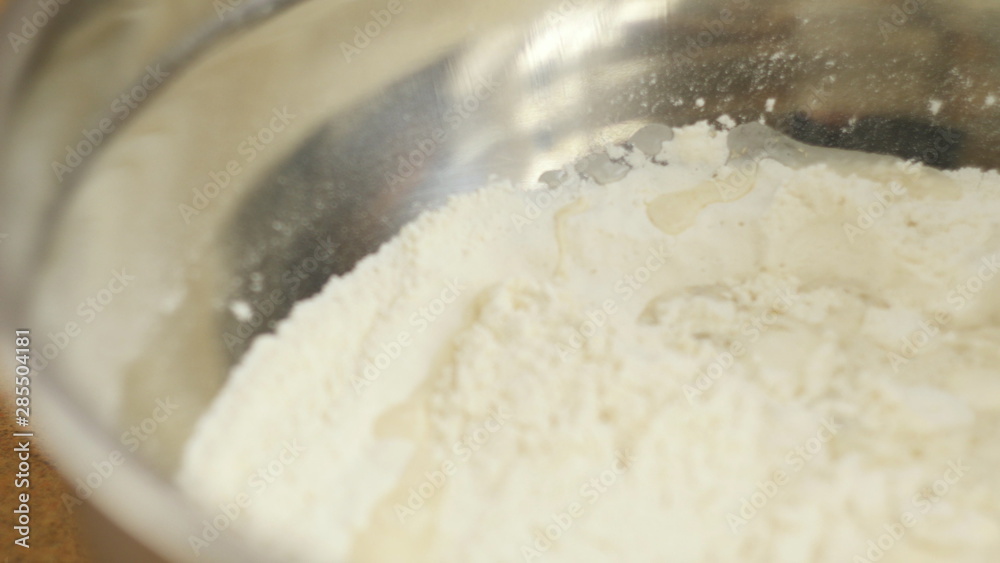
<point x="177" y="173"/>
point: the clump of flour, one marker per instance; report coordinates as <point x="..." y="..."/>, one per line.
<point x="709" y="359"/>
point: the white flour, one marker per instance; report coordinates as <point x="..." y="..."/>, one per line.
<point x="805" y="371"/>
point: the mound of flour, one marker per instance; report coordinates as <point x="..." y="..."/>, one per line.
<point x="723" y="356"/>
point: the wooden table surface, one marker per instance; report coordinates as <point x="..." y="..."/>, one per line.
<point x="55" y="532"/>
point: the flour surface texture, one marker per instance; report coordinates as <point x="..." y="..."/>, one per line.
<point x="717" y="358"/>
